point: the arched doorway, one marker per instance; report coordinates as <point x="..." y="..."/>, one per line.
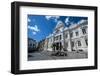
<point x="58" y="46"/>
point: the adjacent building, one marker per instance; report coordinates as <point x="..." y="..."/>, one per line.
<point x="41" y="45"/>
<point x="32" y="44"/>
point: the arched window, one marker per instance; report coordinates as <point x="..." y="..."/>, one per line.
<point x="77" y="33"/>
<point x="79" y="43"/>
<point x="66" y="44"/>
<point x="72" y="43"/>
<point x="86" y="41"/>
<point x="84" y="30"/>
<point x="66" y="35"/>
<point x="71" y="34"/>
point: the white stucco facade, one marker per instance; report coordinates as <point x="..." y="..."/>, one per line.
<point x="71" y="38"/>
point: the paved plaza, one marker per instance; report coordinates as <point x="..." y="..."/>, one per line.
<point x="46" y="55"/>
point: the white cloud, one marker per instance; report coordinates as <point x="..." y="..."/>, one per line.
<point x="47" y="17"/>
<point x="67" y="20"/>
<point x="29" y="20"/>
<point x="56" y="20"/>
<point x="34" y="33"/>
<point x="33" y="20"/>
<point x="34" y="28"/>
<point x="52" y="17"/>
<point x="81" y="21"/>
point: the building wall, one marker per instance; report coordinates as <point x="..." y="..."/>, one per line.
<point x="78" y="41"/>
<point x="80" y="37"/>
<point x="32" y="44"/>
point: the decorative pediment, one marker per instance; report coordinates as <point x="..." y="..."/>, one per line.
<point x="59" y="27"/>
<point x="59" y="24"/>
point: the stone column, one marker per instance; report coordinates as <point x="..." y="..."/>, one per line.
<point x="63" y="40"/>
<point x="70" y="40"/>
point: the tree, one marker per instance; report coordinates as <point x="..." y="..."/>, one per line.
<point x="53" y="46"/>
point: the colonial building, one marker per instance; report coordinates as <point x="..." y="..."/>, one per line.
<point x="71" y="38"/>
<point x="32" y="45"/>
<point x="41" y="45"/>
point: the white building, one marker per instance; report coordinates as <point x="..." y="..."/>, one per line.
<point x="32" y="44"/>
<point x="71" y="38"/>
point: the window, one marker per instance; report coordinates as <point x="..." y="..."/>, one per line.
<point x="57" y="31"/>
<point x="30" y="45"/>
<point x="51" y="39"/>
<point x="66" y="35"/>
<point x="71" y="34"/>
<point x="72" y="43"/>
<point x="54" y="38"/>
<point x="86" y="41"/>
<point x="34" y="45"/>
<point x="79" y="43"/>
<point x="66" y="44"/>
<point x="77" y="33"/>
<point x="60" y="37"/>
<point x="48" y="39"/>
<point x="84" y="31"/>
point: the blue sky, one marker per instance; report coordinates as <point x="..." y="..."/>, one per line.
<point x="40" y="26"/>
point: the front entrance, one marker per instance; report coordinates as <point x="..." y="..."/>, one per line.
<point x="58" y="46"/>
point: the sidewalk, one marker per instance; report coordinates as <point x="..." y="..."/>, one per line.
<point x="46" y="55"/>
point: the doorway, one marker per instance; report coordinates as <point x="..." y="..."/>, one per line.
<point x="58" y="46"/>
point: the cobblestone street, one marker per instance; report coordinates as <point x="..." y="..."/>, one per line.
<point x="46" y="55"/>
